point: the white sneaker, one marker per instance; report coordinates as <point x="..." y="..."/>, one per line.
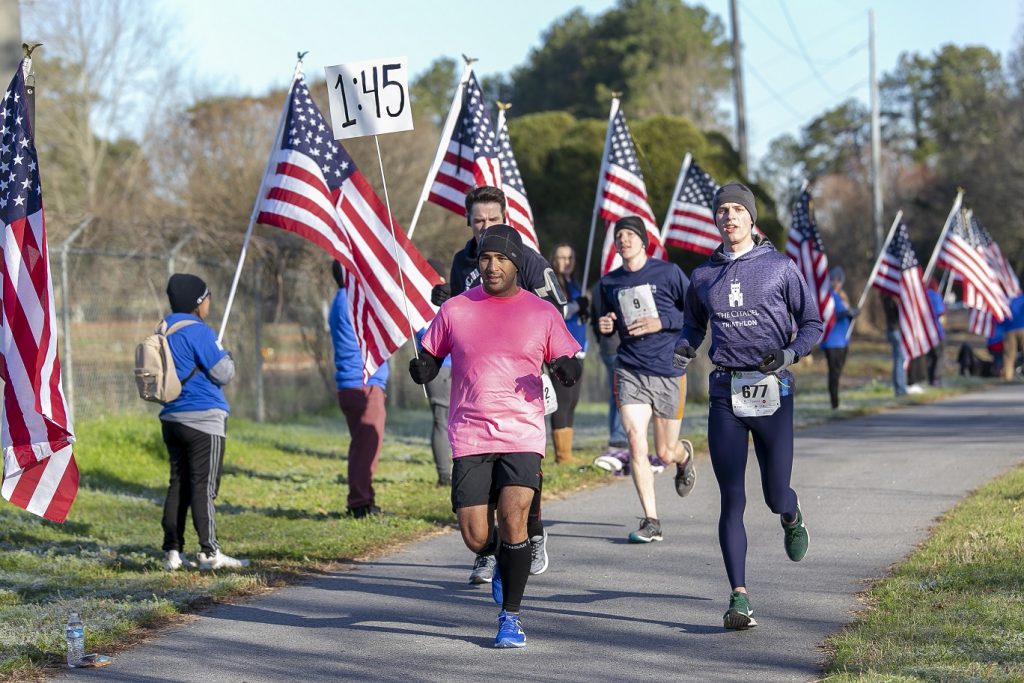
<point x="219" y="560"/>
<point x="915" y="389"/>
<point x="173" y="561"/>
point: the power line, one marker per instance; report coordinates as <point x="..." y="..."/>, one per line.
<point x="803" y="50"/>
<point x="764" y="83"/>
<point x="828" y="67"/>
<point x="841" y="95"/>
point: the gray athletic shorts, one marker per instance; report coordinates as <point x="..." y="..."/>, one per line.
<point x="666" y="395"/>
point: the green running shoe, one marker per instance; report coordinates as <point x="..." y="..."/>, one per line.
<point x="740" y="615"/>
<point x="796" y="536"/>
<point x="650" y="530"/>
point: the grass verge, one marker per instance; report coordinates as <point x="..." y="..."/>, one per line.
<point x="952" y="611"/>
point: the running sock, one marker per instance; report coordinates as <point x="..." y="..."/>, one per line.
<point x="492" y="543"/>
<point x="533" y="522"/>
<point x="514" y="565"/>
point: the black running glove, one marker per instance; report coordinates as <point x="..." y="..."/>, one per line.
<point x="566" y="369"/>
<point x="584" y="303"/>
<point x="682" y="356"/>
<point x="424" y="368"/>
<point x="440" y="293"/>
<point x="776" y="360"/>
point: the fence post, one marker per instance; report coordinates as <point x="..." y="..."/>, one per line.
<point x="68" y="375"/>
<point x="173" y="253"/>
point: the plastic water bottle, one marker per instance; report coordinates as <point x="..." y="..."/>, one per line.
<point x="75" y="632"/>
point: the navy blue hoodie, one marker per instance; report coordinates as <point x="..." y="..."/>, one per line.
<point x="648" y="354"/>
<point x="752" y="304"/>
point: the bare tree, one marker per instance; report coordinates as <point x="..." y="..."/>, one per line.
<point x="108" y="77"/>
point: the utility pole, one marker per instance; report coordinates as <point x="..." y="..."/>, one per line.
<point x="737" y="78"/>
<point x="876" y="139"/>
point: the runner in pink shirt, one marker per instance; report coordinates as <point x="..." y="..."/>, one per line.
<point x="498" y="336"/>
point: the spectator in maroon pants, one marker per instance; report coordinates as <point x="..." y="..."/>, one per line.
<point x="361" y="402"/>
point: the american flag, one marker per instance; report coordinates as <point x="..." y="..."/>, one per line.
<point x="477" y="156"/>
<point x="316" y="191"/>
<point x="804" y="246"/>
<point x="899" y="274"/>
<point x="690" y="223"/>
<point x="961" y="252"/>
<point x="997" y="262"/>
<point x="518" y="213"/>
<point x="980" y="322"/>
<point x="40" y="473"/>
<point x="622" y="191"/>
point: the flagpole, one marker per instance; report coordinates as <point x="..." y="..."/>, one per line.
<point x="687" y="160"/>
<point x="394" y="242"/>
<point x="256" y="204"/>
<point x="874" y="271"/>
<point x="442" y="146"/>
<point x="597" y="196"/>
<point x="942" y="236"/>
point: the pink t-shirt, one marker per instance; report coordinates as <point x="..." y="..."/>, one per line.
<point x="497" y="345"/>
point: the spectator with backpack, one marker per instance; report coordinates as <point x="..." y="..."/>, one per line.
<point x="194" y="424"/>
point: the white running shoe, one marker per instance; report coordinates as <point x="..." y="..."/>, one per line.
<point x="219" y="560"/>
<point x="173" y="561"/>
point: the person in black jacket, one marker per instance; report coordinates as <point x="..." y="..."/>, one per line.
<point x="485" y="206"/>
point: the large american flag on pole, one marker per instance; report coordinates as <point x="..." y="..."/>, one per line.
<point x="316" y="191"/>
<point x="899" y="274"/>
<point x="690" y="224"/>
<point x="477" y="156"/>
<point x="961" y="252"/>
<point x="518" y="213"/>
<point x="40" y="473"/>
<point x="804" y="246"/>
<point x="980" y="321"/>
<point x="622" y="191"/>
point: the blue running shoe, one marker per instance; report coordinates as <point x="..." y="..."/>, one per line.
<point x="510" y="631"/>
<point x="497" y="590"/>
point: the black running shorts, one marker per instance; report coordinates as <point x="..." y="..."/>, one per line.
<point x="478" y="479"/>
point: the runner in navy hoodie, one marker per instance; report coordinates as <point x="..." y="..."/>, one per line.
<point x="642" y="302"/>
<point x="751" y="296"/>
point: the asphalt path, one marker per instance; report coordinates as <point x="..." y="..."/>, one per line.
<point x="607" y="610"/>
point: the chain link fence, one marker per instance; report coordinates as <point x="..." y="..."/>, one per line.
<point x="108" y="301"/>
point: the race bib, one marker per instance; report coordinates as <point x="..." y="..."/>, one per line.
<point x="637" y="302"/>
<point x="754" y="394"/>
<point x="548" y="389"/>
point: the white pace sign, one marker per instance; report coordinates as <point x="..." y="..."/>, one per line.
<point x="369" y="98"/>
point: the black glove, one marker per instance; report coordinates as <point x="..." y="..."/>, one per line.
<point x="566" y="369"/>
<point x="776" y="360"/>
<point x="682" y="355"/>
<point x="440" y="293"/>
<point x="583" y="301"/>
<point x="424" y="368"/>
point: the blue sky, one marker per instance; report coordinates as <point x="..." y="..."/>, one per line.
<point x="800" y="56"/>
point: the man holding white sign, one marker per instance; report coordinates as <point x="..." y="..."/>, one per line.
<point x="751" y="296"/>
<point x="642" y="301"/>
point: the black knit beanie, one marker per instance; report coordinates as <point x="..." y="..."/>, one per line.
<point x="503" y="239"/>
<point x="185" y="292"/>
<point x="737" y="193"/>
<point x="634" y="223"/>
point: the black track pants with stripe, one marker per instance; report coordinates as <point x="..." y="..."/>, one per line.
<point x="195" y="459"/>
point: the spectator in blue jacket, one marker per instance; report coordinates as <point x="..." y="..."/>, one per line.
<point x="1013" y="336"/>
<point x="361" y="401"/>
<point x="194" y="426"/>
<point x="836" y="343"/>
<point x="933" y="359"/>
